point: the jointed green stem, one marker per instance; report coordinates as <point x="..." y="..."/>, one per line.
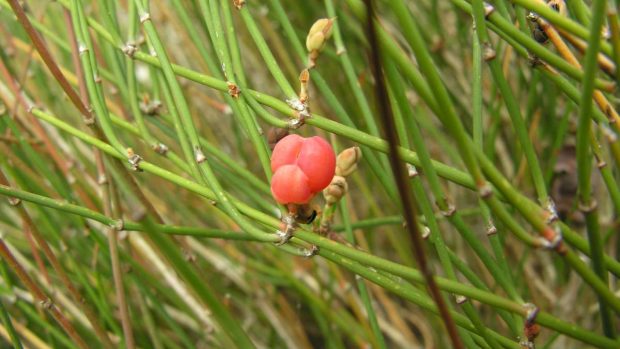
<point x="584" y="159"/>
<point x="366" y="259"/>
<point x="547" y="88"/>
<point x="364" y="292"/>
<point x="198" y="155"/>
<point x="543" y="53"/>
<point x="91" y="75"/>
<point x="324" y="243"/>
<point x="564" y="22"/>
<point x="268" y="57"/>
<point x="8" y="325"/>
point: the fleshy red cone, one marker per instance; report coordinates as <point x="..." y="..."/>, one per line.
<point x="318" y="161"/>
<point x="289" y="185"/>
<point x="286" y="151"/>
<point x="302" y="167"/>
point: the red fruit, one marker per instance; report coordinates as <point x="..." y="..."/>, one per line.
<point x="290" y="185"/>
<point x="301" y="168"/>
<point x="286" y="151"/>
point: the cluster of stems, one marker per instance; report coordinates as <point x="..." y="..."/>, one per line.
<point x="134" y="158"/>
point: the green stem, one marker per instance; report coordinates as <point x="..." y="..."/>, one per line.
<point x="230" y="325"/>
<point x="198" y="156"/>
<point x="584" y="159"/>
<point x="91" y="75"/>
<point x="268" y="57"/>
<point x="366" y="259"/>
<point x="565" y="22"/>
<point x="8" y="325"/>
<point x="363" y="290"/>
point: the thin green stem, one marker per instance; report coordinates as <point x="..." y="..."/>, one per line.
<point x="534" y="47"/>
<point x="8" y="325"/>
<point x="564" y="22"/>
<point x="330" y="245"/>
<point x="198" y="155"/>
<point x="349" y="72"/>
<point x="363" y="290"/>
<point x="265" y="52"/>
<point x="584" y="158"/>
<point x="244" y="111"/>
<point x="231" y="326"/>
<point x="91" y="75"/>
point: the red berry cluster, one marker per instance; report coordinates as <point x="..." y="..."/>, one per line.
<point x="301" y="168"/>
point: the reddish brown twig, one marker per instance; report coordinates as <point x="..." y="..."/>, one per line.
<point x="60" y="271"/>
<point x="402" y="183"/>
<point x="39" y="295"/>
<point x="47" y="57"/>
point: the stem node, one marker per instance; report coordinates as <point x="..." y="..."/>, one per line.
<point x="47" y="304"/>
<point x="489" y="53"/>
<point x="412" y="171"/>
<point x="233" y="89"/>
<point x="145" y="17"/>
<point x="488" y="10"/>
<point x="130" y="50"/>
<point x="239" y="4"/>
<point x="491" y="229"/>
<point x="134" y="160"/>
<point x="449" y="211"/>
<point x="160" y="148"/>
<point x="199" y="156"/>
<point x="587" y="207"/>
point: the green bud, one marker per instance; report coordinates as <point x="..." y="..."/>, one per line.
<point x="335" y="190"/>
<point x="320" y="31"/>
<point x="346" y="162"/>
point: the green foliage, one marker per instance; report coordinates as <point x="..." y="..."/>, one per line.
<point x="135" y="142"/>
